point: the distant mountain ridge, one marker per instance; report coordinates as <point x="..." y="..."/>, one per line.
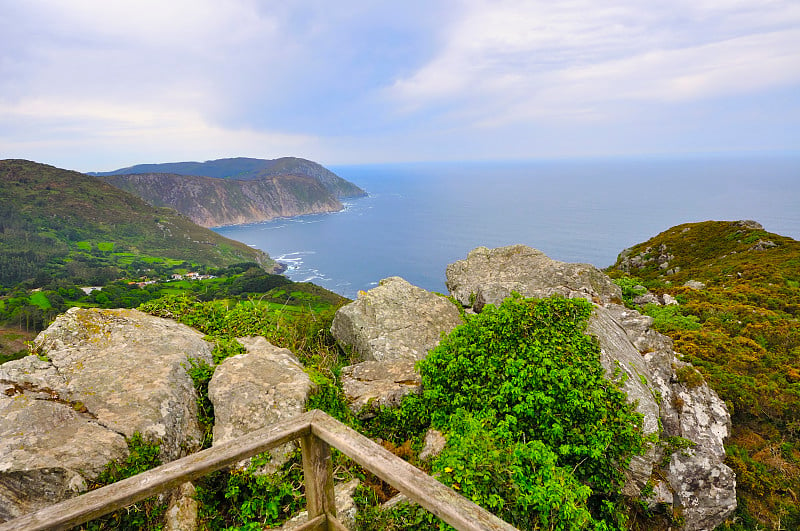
<point x="244" y="169"/>
<point x="237" y="190"/>
<point x="212" y="202"/>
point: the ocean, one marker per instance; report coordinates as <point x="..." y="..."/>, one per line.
<point x="420" y="217"/>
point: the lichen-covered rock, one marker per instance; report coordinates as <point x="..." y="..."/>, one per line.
<point x="702" y="487"/>
<point x="394" y="320"/>
<point x="487" y="276"/>
<point x="48" y="452"/>
<point x="181" y="512"/>
<point x="623" y="364"/>
<point x="371" y="385"/>
<point x="250" y="391"/>
<point x="101" y="376"/>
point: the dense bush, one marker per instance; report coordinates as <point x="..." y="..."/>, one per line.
<point x="535" y="431"/>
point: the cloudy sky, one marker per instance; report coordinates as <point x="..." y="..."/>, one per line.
<point x="98" y="85"/>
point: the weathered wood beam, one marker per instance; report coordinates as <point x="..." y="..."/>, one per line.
<point x="437" y="498"/>
<point x="317" y="431"/>
<point x="96" y="503"/>
<point x="318" y="476"/>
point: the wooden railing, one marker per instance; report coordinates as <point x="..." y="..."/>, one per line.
<point x="317" y="433"/>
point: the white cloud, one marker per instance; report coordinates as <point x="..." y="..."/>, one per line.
<point x="513" y="61"/>
<point x="68" y="133"/>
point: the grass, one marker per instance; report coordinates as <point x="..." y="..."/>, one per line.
<point x="39" y="299"/>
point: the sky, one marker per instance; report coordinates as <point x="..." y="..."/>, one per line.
<point x="97" y="85"/>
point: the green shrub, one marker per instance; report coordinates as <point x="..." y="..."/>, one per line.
<point x="529" y="364"/>
<point x="671" y="318"/>
<point x="148" y="514"/>
<point x="631" y="288"/>
<point x="245" y="499"/>
<point x="536" y="433"/>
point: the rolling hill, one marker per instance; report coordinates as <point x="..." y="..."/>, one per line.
<point x="56" y="223"/>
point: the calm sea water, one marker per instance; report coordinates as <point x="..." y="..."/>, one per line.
<point x="420" y="217"/>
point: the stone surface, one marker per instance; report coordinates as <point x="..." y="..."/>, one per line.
<point x="393" y="321"/>
<point x="181" y="513"/>
<point x="703" y="487"/>
<point x="249" y="391"/>
<point x="371" y="385"/>
<point x="433" y="445"/>
<point x="694" y="284"/>
<point x="103" y="376"/>
<point x="487" y="276"/>
<point x="345" y="508"/>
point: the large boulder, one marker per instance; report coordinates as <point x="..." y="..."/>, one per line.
<point x="250" y="391"/>
<point x="371" y="385"/>
<point x="99" y="377"/>
<point x="690" y="419"/>
<point x="394" y="320"/>
<point x="487" y="276"/>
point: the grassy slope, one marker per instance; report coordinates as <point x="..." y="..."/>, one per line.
<point x="45" y="211"/>
<point x="747" y="345"/>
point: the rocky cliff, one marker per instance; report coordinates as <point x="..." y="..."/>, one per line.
<point x="211" y="202"/>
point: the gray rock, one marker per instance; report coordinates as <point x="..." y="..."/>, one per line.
<point x="253" y="390"/>
<point x="750" y="224"/>
<point x="646" y="298"/>
<point x="104" y="375"/>
<point x="394" y="321"/>
<point x="702" y="487"/>
<point x="694" y="284"/>
<point x="669" y="300"/>
<point x="490" y="275"/>
<point x="433" y="445"/>
<point x="763" y="245"/>
<point x="624" y="365"/>
<point x="48" y="453"/>
<point x="181" y="513"/>
<point x="371" y="385"/>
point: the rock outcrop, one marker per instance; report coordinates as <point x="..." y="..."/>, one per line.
<point x="487" y="276"/>
<point x="371" y="385"/>
<point x="666" y="390"/>
<point x="394" y="321"/>
<point x="249" y="391"/>
<point x="390" y="327"/>
<point x="100" y="376"/>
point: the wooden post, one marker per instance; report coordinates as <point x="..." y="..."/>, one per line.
<point x="318" y="472"/>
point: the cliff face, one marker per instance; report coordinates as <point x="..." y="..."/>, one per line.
<point x="212" y="202"/>
<point x="246" y="169"/>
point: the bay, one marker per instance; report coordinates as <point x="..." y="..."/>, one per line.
<point x="420" y="217"/>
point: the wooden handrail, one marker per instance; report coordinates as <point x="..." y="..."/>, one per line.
<point x="317" y="432"/>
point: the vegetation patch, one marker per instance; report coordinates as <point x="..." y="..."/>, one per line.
<point x="147" y="514"/>
<point x="742" y="333"/>
<point x="535" y="431"/>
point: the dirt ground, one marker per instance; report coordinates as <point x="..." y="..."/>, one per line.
<point x="12" y="340"/>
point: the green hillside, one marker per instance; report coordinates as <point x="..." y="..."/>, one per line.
<point x="742" y="331"/>
<point x="56" y="223"/>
